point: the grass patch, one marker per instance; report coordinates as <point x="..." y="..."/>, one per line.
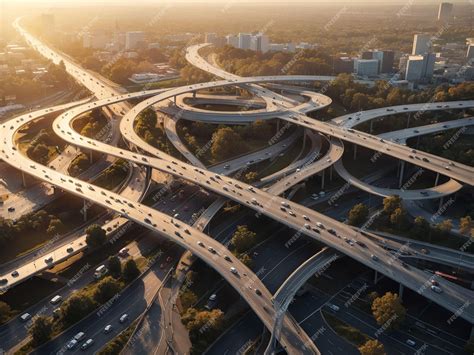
<point x="348" y="332"/>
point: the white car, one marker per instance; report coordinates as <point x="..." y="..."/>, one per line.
<point x="108" y="329"/>
<point x="71" y="344"/>
<point x="234" y="271"/>
<point x="79" y="336"/>
<point x="436" y="289"/>
<point x="333" y="307"/>
<point x="411" y="342"/>
<point x="123" y="318"/>
<point x="87" y="344"/>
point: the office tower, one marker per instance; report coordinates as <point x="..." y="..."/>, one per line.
<point x="232" y="41"/>
<point x="367" y="67"/>
<point x="420" y="67"/>
<point x="262" y="43"/>
<point x="445" y="12"/>
<point x="134" y="39"/>
<point x="421" y="44"/>
<point x="245" y="40"/>
<point x="210" y="38"/>
<point x="387" y="61"/>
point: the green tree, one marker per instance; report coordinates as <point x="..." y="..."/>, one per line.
<point x="246" y="259"/>
<point x="372" y="347"/>
<point x="250" y="177"/>
<point x="398" y="218"/>
<point x="130" y="270"/>
<point x="115" y="266"/>
<point x="95" y="236"/>
<point x="421" y="229"/>
<point x="445" y="226"/>
<point x="391" y="203"/>
<point x="466" y="225"/>
<point x="388" y="311"/>
<point x="243" y="239"/>
<point x="41" y="330"/>
<point x="358" y="214"/>
<point x="76" y="307"/>
<point x="187" y="299"/>
<point x="106" y="288"/>
<point x="5" y="311"/>
<point x="56" y="226"/>
<point x="225" y="143"/>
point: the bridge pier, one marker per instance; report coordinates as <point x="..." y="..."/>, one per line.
<point x="330" y="173"/>
<point x="304" y="139"/>
<point x="436" y="179"/>
<point x="90" y="156"/>
<point x="174" y="99"/>
<point x="194" y="94"/>
<point x="376" y="277"/>
<point x="400" y="291"/>
<point x="402" y="171"/>
<point x="355" y="151"/>
<point x="23" y="179"/>
<point x="408" y="121"/>
<point x="371" y="126"/>
<point x="84" y="210"/>
<point x="322" y="180"/>
<point x="441" y="200"/>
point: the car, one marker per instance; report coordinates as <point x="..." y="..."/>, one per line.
<point x="411" y="342"/>
<point x="305" y="217"/>
<point x="79" y="336"/>
<point x="234" y="271"/>
<point x="71" y="344"/>
<point x="291" y="213"/>
<point x="425" y="160"/>
<point x="333" y="307"/>
<point x="361" y="244"/>
<point x="25" y="317"/>
<point x="123" y="252"/>
<point x="447" y="167"/>
<point x="227" y="257"/>
<point x="11" y="209"/>
<point x="201" y="244"/>
<point x="15" y="273"/>
<point x="332" y="231"/>
<point x="436" y="289"/>
<point x="212" y="250"/>
<point x="320" y="225"/>
<point x="374" y="257"/>
<point x="56" y="299"/>
<point x="123" y="318"/>
<point x="307" y="226"/>
<point x="258" y="292"/>
<point x="227" y="166"/>
<point x="88" y="343"/>
<point x="283" y="209"/>
<point x="285" y="204"/>
<point x="424" y="251"/>
<point x="108" y="329"/>
<point x="434" y="282"/>
<point x="70" y="250"/>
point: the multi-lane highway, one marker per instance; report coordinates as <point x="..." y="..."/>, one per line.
<point x="322" y="228"/>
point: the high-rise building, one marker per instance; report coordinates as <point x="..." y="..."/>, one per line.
<point x="343" y="65"/>
<point x="367" y="67"/>
<point x="262" y="43"/>
<point x="245" y="40"/>
<point x="445" y="12"/>
<point x="134" y="40"/>
<point x="210" y="38"/>
<point x="97" y="40"/>
<point x="232" y="41"/>
<point x="366" y="55"/>
<point x="387" y="61"/>
<point x="420" y="67"/>
<point x="421" y="44"/>
<point x="470" y="52"/>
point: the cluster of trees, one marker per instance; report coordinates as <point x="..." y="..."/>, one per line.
<point x="90" y="124"/>
<point x="79" y="165"/>
<point x="39" y="221"/>
<point x="358" y="214"/>
<point x="38" y="148"/>
<point x="203" y="327"/>
<point x="372" y="347"/>
<point x="26" y="88"/>
<point x="242" y="241"/>
<point x="248" y="63"/>
<point x="388" y="310"/>
<point x="114" y="175"/>
<point x="461" y="151"/>
<point x="5" y="312"/>
<point x="95" y="236"/>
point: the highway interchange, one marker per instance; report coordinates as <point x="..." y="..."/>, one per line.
<point x="298" y="217"/>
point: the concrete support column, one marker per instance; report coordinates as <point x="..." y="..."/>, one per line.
<point x="23" y="179"/>
<point x="371" y="126"/>
<point x="417" y="142"/>
<point x="90" y="156"/>
<point x="322" y="180"/>
<point x="376" y="279"/>
<point x="174" y="99"/>
<point x="402" y="170"/>
<point x="84" y="210"/>
<point x="304" y="139"/>
<point x="408" y="121"/>
<point x="441" y="200"/>
<point x="355" y="151"/>
<point x="400" y="291"/>
<point x="194" y="94"/>
<point x="436" y="179"/>
<point x="330" y="173"/>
